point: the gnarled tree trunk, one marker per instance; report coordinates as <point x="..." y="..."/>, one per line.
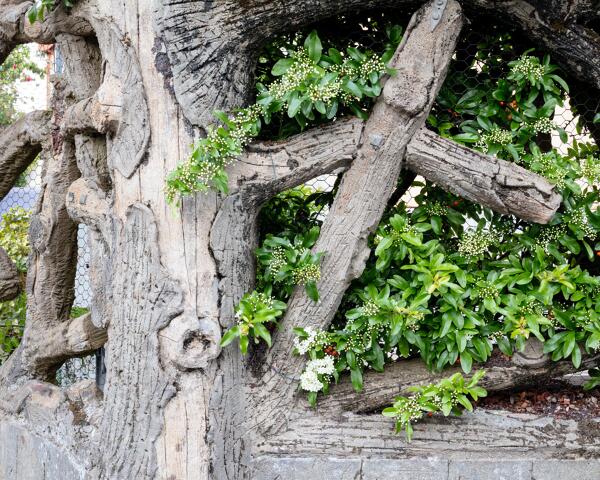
<point x="141" y="79"/>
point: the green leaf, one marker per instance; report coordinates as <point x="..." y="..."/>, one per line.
<point x="466" y="361"/>
<point x="263" y="333"/>
<point x="389" y="412"/>
<point x="351" y="87"/>
<point x="281" y="66"/>
<point x="314" y="46"/>
<point x="230" y="335"/>
<point x="335" y="55"/>
<point x="464" y="401"/>
<point x="311" y="291"/>
<point x="466" y="138"/>
<point x="576" y="356"/>
<point x="32" y="14"/>
<point x="294" y="105"/>
<point x="436" y="224"/>
<point x="384" y="244"/>
<point x="356" y="378"/>
<point x="244" y="344"/>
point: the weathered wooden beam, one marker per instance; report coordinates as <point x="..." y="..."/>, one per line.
<point x="503" y="186"/>
<point x="268" y="168"/>
<point x="380" y="388"/>
<point x="10" y="285"/>
<point x="20" y="144"/>
<point x="73" y="338"/>
<point x="15" y="28"/>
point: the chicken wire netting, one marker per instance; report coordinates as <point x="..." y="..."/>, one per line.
<point x="366" y="29"/>
<point x="21" y="201"/>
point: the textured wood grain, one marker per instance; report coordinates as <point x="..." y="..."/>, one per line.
<point x="10" y="284"/>
<point x="153" y="300"/>
<point x="175" y="405"/>
<point x="381" y="388"/>
<point x="20" y="144"/>
<point x="503" y="186"/>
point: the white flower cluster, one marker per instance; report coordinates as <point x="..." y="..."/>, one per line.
<point x="313" y="339"/>
<point x="278" y="259"/>
<point x="579" y="219"/>
<point x="435" y="208"/>
<point x="412" y="408"/>
<point x="488" y="290"/>
<point x="549" y="235"/>
<point x="306" y="273"/>
<point x="543" y="125"/>
<point x="529" y="66"/>
<point x="325" y="92"/>
<point x="372" y="65"/>
<point x="370" y="309"/>
<point x="547" y="167"/>
<point x="476" y="243"/>
<point x="259" y="300"/>
<point x="496" y="135"/>
<point x="309" y="380"/>
<point x="299" y="71"/>
<point x="590" y="169"/>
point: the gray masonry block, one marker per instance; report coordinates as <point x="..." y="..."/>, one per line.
<point x="275" y="468"/>
<point x="490" y="470"/>
<point x="405" y="469"/>
<point x="566" y="470"/>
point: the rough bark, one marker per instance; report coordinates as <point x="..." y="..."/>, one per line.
<point x="20" y="144"/>
<point x="495" y="183"/>
<point x="10" y="284"/>
<point x="379" y="389"/>
<point x="77" y="337"/>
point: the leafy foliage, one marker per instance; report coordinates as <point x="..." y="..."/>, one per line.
<point x="449" y="280"/>
<point x="448" y="396"/>
<point x="13" y="239"/>
<point x="254" y="311"/>
<point x="37" y="11"/>
<point x="311" y="87"/>
<point x="13" y="236"/>
<point x="284" y="264"/>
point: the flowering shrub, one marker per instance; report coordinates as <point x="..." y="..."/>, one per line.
<point x="253" y="312"/>
<point x="288" y="263"/>
<point x="448" y="396"/>
<point x="450" y="280"/>
<point x="285" y="263"/>
<point x="312" y="87"/>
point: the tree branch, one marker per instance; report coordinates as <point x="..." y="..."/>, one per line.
<point x="15" y="28"/>
<point x="269" y="168"/>
<point x="20" y="143"/>
<point x="421" y="62"/>
<point x="503" y="186"/>
<point x="381" y="388"/>
<point x="10" y="285"/>
<point x="74" y="338"/>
